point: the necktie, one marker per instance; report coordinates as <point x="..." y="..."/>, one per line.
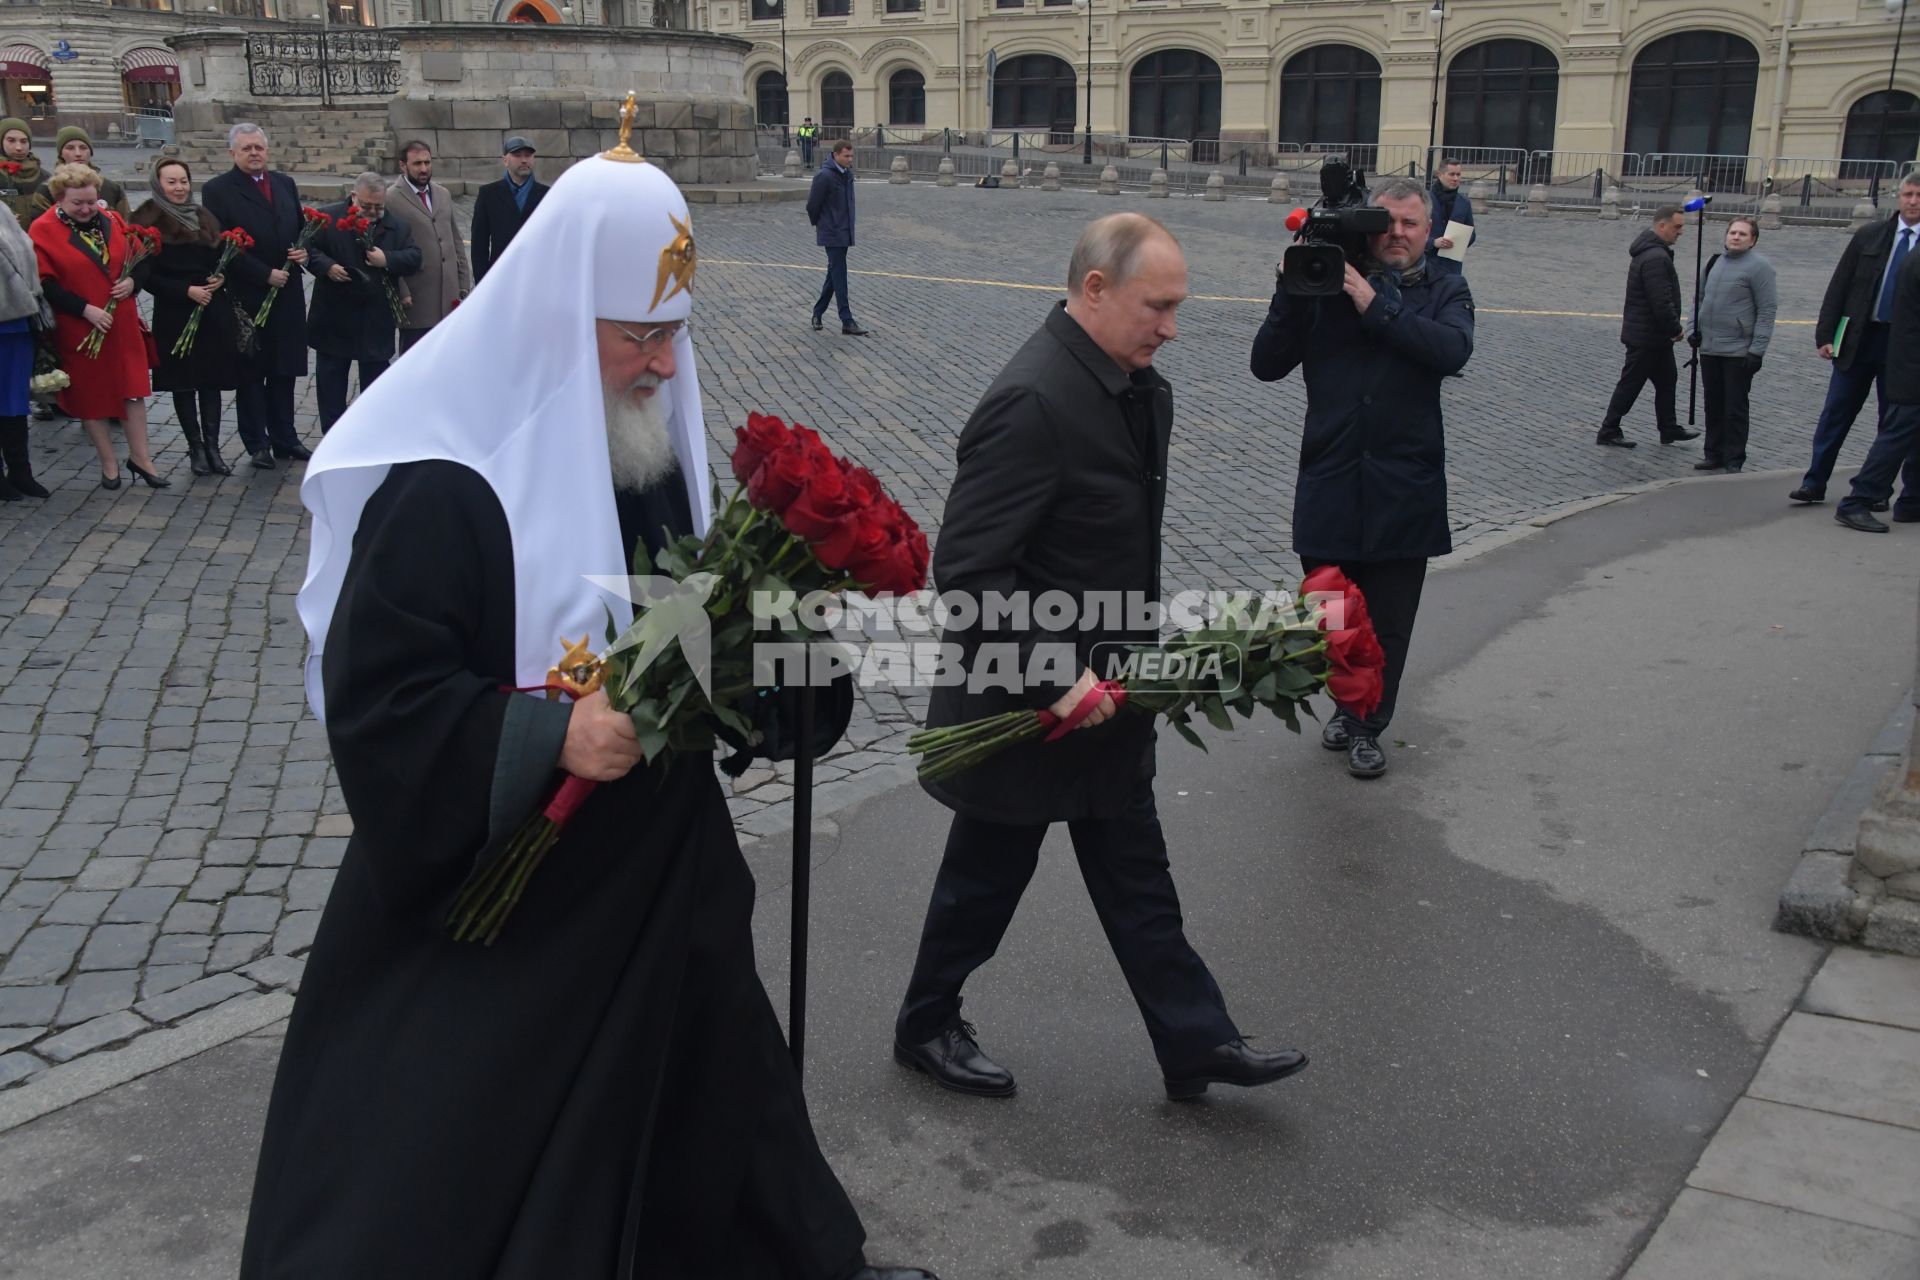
<point x="1885" y="312"/>
<point x="265" y="187"/>
<point x="426" y="197"/>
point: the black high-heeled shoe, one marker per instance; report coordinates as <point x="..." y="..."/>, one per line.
<point x="147" y="477"/>
<point x="109" y="482"/>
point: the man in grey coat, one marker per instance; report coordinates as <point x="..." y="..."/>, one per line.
<point x="1738" y="298"/>
<point x="445" y="276"/>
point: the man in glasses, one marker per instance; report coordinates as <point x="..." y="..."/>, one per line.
<point x="350" y="320"/>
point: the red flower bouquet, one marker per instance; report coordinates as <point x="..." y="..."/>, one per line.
<point x="142" y="243"/>
<point x="233" y="242"/>
<point x="800" y="521"/>
<point x="312" y="223"/>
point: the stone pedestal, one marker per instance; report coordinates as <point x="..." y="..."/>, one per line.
<point x="1009" y="174"/>
<point x="1280" y="191"/>
<point x="1536" y="202"/>
<point x="1216" y="186"/>
<point x="897" y="174"/>
<point x="1864" y="214"/>
<point x="1769" y="212"/>
<point x="1610" y="204"/>
<point x="1050" y="180"/>
<point x="1480" y="191"/>
<point x="1109" y="181"/>
<point x="1157" y="185"/>
<point x="791" y="169"/>
<point x="945" y="176"/>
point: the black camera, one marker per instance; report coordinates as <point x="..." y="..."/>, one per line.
<point x="1332" y="233"/>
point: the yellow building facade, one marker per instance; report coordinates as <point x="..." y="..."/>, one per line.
<point x="1793" y="80"/>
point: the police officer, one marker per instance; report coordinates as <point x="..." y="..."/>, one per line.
<point x="807" y="132"/>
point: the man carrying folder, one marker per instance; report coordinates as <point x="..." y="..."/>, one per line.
<point x="1452" y="231"/>
<point x="1856" y="320"/>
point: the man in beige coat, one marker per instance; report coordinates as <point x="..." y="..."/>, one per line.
<point x="445" y="276"/>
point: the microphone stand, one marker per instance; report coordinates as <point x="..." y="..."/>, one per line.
<point x="1699" y="244"/>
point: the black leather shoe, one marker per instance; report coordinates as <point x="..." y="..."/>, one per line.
<point x="1807" y="496"/>
<point x="1365" y="759"/>
<point x="1338" y="735"/>
<point x="817" y="325"/>
<point x="1855" y="518"/>
<point x="263" y="461"/>
<point x="853" y="331"/>
<point x="1880" y="505"/>
<point x="1677" y="435"/>
<point x="1615" y="439"/>
<point x="299" y="453"/>
<point x="146" y="477"/>
<point x="1734" y="468"/>
<point x="955" y="1062"/>
<point x="893" y="1273"/>
<point x="109" y="482"/>
<point x="1708" y="464"/>
<point x="1235" y="1062"/>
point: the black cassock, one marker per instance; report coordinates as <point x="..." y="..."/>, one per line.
<point x="605" y="1091"/>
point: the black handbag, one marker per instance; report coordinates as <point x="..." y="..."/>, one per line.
<point x="246" y="336"/>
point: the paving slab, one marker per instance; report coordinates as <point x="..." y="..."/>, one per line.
<point x="1715" y="1237"/>
<point x="1859" y="1069"/>
<point x="1816" y="1162"/>
<point x="1868" y="986"/>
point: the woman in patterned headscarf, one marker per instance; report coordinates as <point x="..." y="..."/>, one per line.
<point x="180" y="278"/>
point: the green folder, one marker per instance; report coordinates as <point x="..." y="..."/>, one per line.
<point x="1839" y="334"/>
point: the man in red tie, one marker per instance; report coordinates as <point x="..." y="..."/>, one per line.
<point x="267" y="206"/>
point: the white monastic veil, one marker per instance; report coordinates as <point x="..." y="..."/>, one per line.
<point x="509" y="385"/>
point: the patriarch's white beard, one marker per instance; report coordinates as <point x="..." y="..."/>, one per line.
<point x="638" y="444"/>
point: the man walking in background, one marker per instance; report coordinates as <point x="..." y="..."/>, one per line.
<point x="1897" y="444"/>
<point x="1649" y="328"/>
<point x="503" y="206"/>
<point x="425" y="208"/>
<point x="1856" y="319"/>
<point x="1449" y="204"/>
<point x="830" y="210"/>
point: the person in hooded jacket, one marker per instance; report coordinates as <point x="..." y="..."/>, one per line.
<point x="1649" y="328"/>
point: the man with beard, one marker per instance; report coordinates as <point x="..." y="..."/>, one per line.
<point x="1372" y="493"/>
<point x="602" y="1093"/>
<point x="426" y="208"/>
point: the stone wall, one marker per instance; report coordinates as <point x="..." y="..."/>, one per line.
<point x="467" y="86"/>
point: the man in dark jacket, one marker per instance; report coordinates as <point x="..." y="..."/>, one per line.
<point x="1649" y="328"/>
<point x="1855" y="320"/>
<point x="1060" y="488"/>
<point x="1897" y="444"/>
<point x="1450" y="205"/>
<point x="1372" y="493"/>
<point x="352" y="318"/>
<point x="266" y="206"/>
<point x="503" y="207"/>
<point x="830" y="210"/>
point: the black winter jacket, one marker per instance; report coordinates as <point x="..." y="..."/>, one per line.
<point x="1652" y="314"/>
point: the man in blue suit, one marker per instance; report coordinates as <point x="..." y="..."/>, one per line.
<point x="830" y="210"/>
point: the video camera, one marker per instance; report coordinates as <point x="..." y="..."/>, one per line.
<point x="1332" y="233"/>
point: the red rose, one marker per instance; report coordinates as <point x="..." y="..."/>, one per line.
<point x="1355" y="661"/>
<point x="872" y="556"/>
<point x="777" y="481"/>
<point x="824" y="501"/>
<point x="759" y="440"/>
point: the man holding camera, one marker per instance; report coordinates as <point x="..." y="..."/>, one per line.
<point x="1372" y="492"/>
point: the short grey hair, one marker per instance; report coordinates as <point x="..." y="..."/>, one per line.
<point x="1111" y="246"/>
<point x="369" y="181"/>
<point x="241" y="130"/>
<point x="1398" y="189"/>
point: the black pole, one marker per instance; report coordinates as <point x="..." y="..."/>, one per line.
<point x="786" y="90"/>
<point x="1693" y="365"/>
<point x="1087" y="158"/>
<point x="1897" y="33"/>
<point x="802" y="877"/>
<point x="1433" y="108"/>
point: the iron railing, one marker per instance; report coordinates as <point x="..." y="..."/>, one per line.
<point x="334" y="64"/>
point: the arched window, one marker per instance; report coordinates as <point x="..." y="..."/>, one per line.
<point x="1692" y="95"/>
<point x="1502" y="93"/>
<point x="1034" y="91"/>
<point x="1331" y="93"/>
<point x="770" y="98"/>
<point x="906" y="97"/>
<point x="836" y="104"/>
<point x="1175" y="94"/>
<point x="527" y="13"/>
<point x="1881" y="126"/>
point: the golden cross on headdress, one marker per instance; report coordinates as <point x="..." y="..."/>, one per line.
<point x="625" y="152"/>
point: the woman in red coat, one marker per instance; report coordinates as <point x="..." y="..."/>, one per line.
<point x="82" y="251"/>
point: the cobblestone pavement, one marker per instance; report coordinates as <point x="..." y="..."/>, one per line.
<point x="171" y="825"/>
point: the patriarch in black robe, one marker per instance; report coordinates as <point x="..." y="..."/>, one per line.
<point x="604" y="1091"/>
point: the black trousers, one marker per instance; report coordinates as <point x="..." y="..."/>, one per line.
<point x="1644" y="365"/>
<point x="1897" y="445"/>
<point x="1123" y="860"/>
<point x="1392" y="589"/>
<point x="835" y="288"/>
<point x="410" y="336"/>
<point x="264" y="410"/>
<point x="330" y="384"/>
<point x="1725" y="381"/>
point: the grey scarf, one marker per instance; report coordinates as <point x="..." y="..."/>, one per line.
<point x="19" y="273"/>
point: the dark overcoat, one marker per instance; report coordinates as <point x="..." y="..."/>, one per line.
<point x="186" y="260"/>
<point x="1060" y="487"/>
<point x="353" y="320"/>
<point x="234" y="199"/>
<point x="830" y="205"/>
<point x="1651" y="315"/>
<point x="1373" y="454"/>
<point x="1854" y="288"/>
<point x="497" y="219"/>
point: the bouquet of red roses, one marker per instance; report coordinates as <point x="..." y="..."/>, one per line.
<point x="800" y="520"/>
<point x="312" y="223"/>
<point x="360" y="227"/>
<point x="233" y="241"/>
<point x="142" y="243"/>
<point x="1325" y="642"/>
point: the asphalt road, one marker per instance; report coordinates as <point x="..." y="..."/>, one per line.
<point x="1533" y="966"/>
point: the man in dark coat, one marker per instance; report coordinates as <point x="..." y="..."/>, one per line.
<point x="1856" y="319"/>
<point x="1897" y="444"/>
<point x="1372" y="493"/>
<point x="267" y="206"/>
<point x="830" y="210"/>
<point x="503" y="207"/>
<point x="352" y="318"/>
<point x="603" y="1092"/>
<point x="1450" y="205"/>
<point x="1649" y="328"/>
<point x="1060" y="488"/>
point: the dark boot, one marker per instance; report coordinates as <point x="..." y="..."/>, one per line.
<point x="19" y="466"/>
<point x="196" y="451"/>
<point x="210" y="435"/>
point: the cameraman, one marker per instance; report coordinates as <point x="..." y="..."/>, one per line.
<point x="1372" y="493"/>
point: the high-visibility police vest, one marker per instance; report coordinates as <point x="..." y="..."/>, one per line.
<point x="807" y="131"/>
